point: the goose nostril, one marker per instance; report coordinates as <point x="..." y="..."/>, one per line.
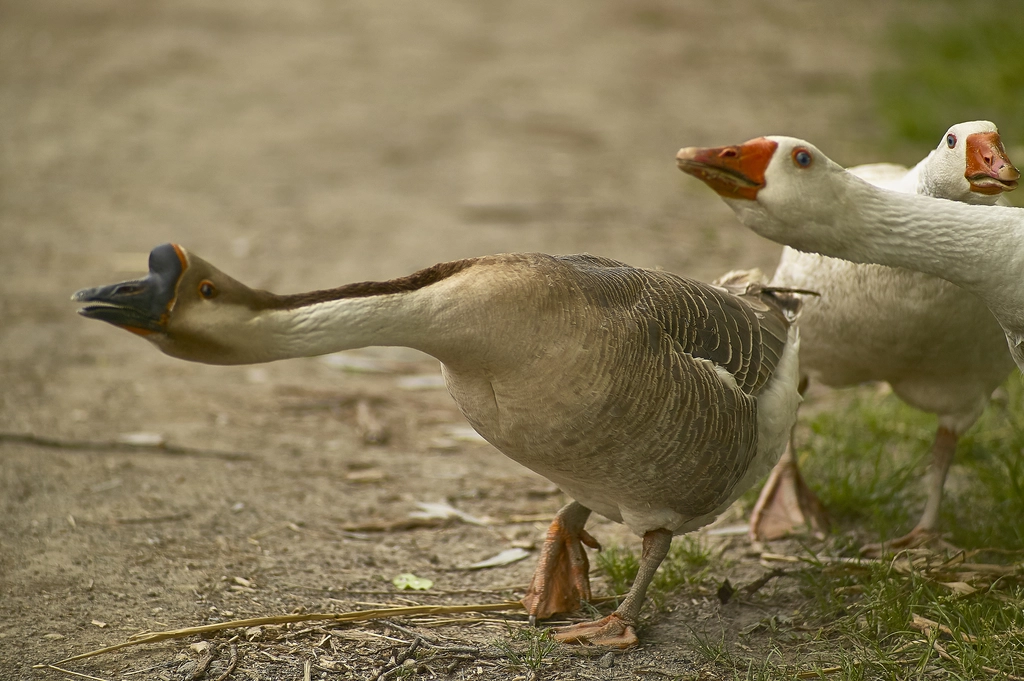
<point x="729" y="152"/>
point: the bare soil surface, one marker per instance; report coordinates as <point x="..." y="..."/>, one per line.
<point x="303" y="145"/>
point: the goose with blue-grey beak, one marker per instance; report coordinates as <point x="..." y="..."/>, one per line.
<point x="651" y="399"/>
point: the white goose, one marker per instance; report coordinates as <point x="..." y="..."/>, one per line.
<point x="939" y="349"/>
<point x="651" y="399"/>
<point x="787" y="190"/>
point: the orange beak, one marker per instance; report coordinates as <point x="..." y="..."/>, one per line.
<point x="988" y="167"/>
<point x="735" y="172"/>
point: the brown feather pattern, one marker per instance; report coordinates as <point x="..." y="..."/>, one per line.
<point x="656" y="425"/>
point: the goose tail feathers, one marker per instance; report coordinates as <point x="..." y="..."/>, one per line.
<point x="752" y="282"/>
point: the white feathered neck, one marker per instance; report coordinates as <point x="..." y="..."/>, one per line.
<point x="827" y="210"/>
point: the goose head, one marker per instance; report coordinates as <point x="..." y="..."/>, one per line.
<point x="774" y="183"/>
<point x="970" y="164"/>
<point x="185" y="306"/>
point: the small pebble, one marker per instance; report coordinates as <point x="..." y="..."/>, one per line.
<point x="606" y="661"/>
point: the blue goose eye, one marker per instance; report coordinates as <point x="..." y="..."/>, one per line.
<point x="950" y="140"/>
<point x="802" y="157"/>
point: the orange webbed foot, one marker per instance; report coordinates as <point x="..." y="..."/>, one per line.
<point x="562" y="580"/>
<point x="916" y="538"/>
<point x="786" y="505"/>
<point x="616" y="630"/>
<point x="610" y="632"/>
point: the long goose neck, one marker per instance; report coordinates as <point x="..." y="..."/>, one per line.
<point x="957" y="242"/>
<point x="449" y="311"/>
<point x="933" y="177"/>
<point x="979" y="248"/>
<point x="347" y="323"/>
<point x="919" y="179"/>
<point x="440" y="311"/>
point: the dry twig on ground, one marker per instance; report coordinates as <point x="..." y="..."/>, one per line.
<point x="354" y="616"/>
<point x="118" y="445"/>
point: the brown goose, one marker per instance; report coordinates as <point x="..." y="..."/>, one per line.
<point x="652" y="399"/>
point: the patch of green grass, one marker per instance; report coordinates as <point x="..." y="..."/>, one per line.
<point x="872" y="610"/>
<point x="687" y="563"/>
<point x="988" y="511"/>
<point x="712" y="649"/>
<point x="954" y="62"/>
<point x="404" y="673"/>
<point x="620" y="566"/>
<point x="526" y="648"/>
<point x="865" y="461"/>
<point x="874" y="621"/>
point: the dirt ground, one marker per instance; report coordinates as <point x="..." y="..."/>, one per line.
<point x="303" y="145"/>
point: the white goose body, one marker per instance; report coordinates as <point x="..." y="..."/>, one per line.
<point x="978" y="248"/>
<point x="937" y="344"/>
<point x="652" y="399"/>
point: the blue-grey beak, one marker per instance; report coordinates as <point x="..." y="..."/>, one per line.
<point x="141" y="305"/>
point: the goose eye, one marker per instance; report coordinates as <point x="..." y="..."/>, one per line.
<point x="950" y="140"/>
<point x="802" y="157"/>
<point x="207" y="289"/>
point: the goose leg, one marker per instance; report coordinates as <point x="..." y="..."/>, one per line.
<point x="943" y="450"/>
<point x="786" y="503"/>
<point x="616" y="630"/>
<point x="562" y="578"/>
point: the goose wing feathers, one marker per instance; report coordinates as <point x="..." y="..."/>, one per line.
<point x="684" y="416"/>
<point x="738" y="326"/>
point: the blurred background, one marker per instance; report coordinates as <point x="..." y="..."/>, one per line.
<point x="312" y="143"/>
<point x="305" y="144"/>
